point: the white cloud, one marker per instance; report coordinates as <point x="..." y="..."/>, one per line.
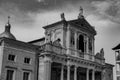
<point x="41" y="0"/>
<point x="101" y="6"/>
<point x="109" y="9"/>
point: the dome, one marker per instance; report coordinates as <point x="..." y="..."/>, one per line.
<point x="7" y="33"/>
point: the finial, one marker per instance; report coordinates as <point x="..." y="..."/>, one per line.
<point x="8" y="26"/>
<point x="80" y="12"/>
<point x="62" y="16"/>
<point x="8" y="19"/>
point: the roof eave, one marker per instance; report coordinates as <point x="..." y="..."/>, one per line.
<point x="52" y="25"/>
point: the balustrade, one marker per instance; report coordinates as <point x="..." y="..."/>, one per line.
<point x="76" y="53"/>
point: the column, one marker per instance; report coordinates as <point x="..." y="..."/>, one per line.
<point x="93" y="75"/>
<point x="62" y="72"/>
<point x="47" y="70"/>
<point x="75" y="73"/>
<point x="68" y="72"/>
<point x="68" y="40"/>
<point x="87" y="72"/>
<point x="101" y="76"/>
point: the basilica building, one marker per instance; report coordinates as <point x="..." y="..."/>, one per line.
<point x="67" y="52"/>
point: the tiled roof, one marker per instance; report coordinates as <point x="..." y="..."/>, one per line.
<point x="18" y="44"/>
<point x="51" y="25"/>
<point x="37" y="40"/>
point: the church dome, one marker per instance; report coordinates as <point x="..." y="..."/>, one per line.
<point x="7" y="33"/>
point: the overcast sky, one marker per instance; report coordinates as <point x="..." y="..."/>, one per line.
<point x="28" y="17"/>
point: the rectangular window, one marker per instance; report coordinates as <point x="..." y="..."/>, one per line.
<point x="11" y="57"/>
<point x="26" y="75"/>
<point x="27" y="60"/>
<point x="9" y="75"/>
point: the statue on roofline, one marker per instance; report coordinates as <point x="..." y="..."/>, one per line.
<point x="80" y="13"/>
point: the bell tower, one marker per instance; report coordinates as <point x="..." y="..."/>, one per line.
<point x="7" y="33"/>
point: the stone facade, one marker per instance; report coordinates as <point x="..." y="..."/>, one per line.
<point x="108" y="72"/>
<point x="117" y="61"/>
<point x="65" y="53"/>
<point x="18" y="65"/>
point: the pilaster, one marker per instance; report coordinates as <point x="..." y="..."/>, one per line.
<point x="68" y="72"/>
<point x="68" y="40"/>
<point x="87" y="73"/>
<point x="62" y="72"/>
<point x="93" y="74"/>
<point x="93" y="46"/>
<point x="76" y="43"/>
<point x="75" y="73"/>
<point x="47" y="69"/>
<point x="87" y="45"/>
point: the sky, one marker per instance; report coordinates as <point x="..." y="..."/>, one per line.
<point x="29" y="16"/>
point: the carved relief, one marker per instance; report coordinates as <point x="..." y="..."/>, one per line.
<point x="52" y="35"/>
<point x="57" y="48"/>
<point x="57" y="43"/>
<point x="57" y="33"/>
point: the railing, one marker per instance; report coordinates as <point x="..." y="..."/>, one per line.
<point x="81" y="55"/>
<point x="76" y="53"/>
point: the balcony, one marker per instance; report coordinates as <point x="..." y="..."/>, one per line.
<point x="49" y="47"/>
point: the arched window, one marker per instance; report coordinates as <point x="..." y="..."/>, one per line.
<point x="80" y="43"/>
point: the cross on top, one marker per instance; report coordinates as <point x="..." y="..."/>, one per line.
<point x="8" y="19"/>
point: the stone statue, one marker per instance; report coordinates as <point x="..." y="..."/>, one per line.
<point x="102" y="53"/>
<point x="80" y="13"/>
<point x="62" y="16"/>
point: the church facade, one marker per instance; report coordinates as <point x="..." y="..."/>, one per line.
<point x="117" y="61"/>
<point x="67" y="52"/>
